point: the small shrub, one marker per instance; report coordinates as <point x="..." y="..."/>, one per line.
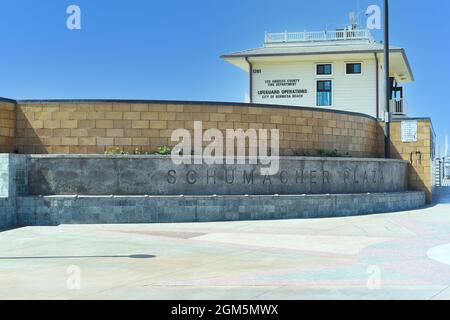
<point x="138" y="151"/>
<point x="164" y="150"/>
<point x="114" y="151"/>
<point x="328" y="154"/>
<point x="178" y="151"/>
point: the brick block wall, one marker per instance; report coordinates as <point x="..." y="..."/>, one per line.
<point x="419" y="154"/>
<point x="7" y="126"/>
<point x="72" y="127"/>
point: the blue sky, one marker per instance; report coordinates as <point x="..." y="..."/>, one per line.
<point x="147" y="49"/>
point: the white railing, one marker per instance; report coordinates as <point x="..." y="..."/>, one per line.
<point x="399" y="107"/>
<point x="362" y="34"/>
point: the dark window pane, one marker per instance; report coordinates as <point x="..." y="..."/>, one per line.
<point x="324" y="69"/>
<point x="324" y="85"/>
<point x="353" y="68"/>
<point x="324" y="93"/>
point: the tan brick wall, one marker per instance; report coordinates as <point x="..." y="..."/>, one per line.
<point x="7" y="126"/>
<point x="417" y="153"/>
<point x="92" y="127"/>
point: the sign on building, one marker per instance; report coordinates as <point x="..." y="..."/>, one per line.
<point x="409" y="131"/>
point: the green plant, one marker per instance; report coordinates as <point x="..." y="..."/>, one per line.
<point x="113" y="151"/>
<point x="178" y="151"/>
<point x="118" y="151"/>
<point x="164" y="150"/>
<point x="138" y="151"/>
<point x="328" y="154"/>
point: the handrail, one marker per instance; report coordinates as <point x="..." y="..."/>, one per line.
<point x="329" y="35"/>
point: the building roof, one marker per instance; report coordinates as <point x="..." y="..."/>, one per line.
<point x="311" y="50"/>
<point x="298" y="51"/>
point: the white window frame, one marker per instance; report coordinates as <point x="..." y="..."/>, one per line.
<point x="324" y="75"/>
<point x="353" y="74"/>
<point x="332" y="92"/>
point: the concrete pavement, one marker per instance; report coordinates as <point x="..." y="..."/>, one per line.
<point x="402" y="255"/>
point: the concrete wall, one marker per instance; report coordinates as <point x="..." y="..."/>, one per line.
<point x="157" y="175"/>
<point x="54" y="210"/>
<point x="7" y="208"/>
<point x="22" y="176"/>
<point x="5" y="180"/>
<point x="7" y="126"/>
<point x="8" y="218"/>
<point x="12" y="181"/>
<point x="82" y="127"/>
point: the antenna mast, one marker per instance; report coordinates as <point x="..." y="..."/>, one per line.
<point x="357" y="14"/>
<point x="446" y="144"/>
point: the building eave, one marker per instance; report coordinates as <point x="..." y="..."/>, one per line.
<point x="405" y="57"/>
<point x="234" y="58"/>
<point x="249" y="55"/>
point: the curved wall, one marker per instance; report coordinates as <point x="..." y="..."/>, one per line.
<point x="7" y="125"/>
<point x="89" y="127"/>
<point x="54" y="210"/>
<point x="158" y="175"/>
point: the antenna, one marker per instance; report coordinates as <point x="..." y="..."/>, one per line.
<point x="353" y="17"/>
<point x="446" y="144"/>
<point x="357" y="13"/>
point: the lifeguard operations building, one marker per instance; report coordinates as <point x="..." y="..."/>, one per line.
<point x="338" y="69"/>
<point x="342" y="70"/>
<point x="323" y="91"/>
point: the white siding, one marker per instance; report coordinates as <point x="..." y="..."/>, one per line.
<point x="355" y="93"/>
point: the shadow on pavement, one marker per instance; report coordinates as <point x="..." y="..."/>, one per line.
<point x="133" y="256"/>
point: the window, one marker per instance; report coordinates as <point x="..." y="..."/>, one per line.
<point x="323" y="69"/>
<point x="353" y="68"/>
<point x="323" y="93"/>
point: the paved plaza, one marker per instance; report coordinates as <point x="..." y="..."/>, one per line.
<point x="403" y="255"/>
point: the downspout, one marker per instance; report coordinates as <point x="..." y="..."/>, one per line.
<point x="251" y="79"/>
<point x="377" y="86"/>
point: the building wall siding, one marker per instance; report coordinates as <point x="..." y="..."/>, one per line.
<point x="354" y="93"/>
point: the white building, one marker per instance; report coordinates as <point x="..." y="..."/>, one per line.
<point x="341" y="69"/>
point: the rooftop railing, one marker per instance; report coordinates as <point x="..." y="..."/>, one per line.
<point x="332" y="35"/>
